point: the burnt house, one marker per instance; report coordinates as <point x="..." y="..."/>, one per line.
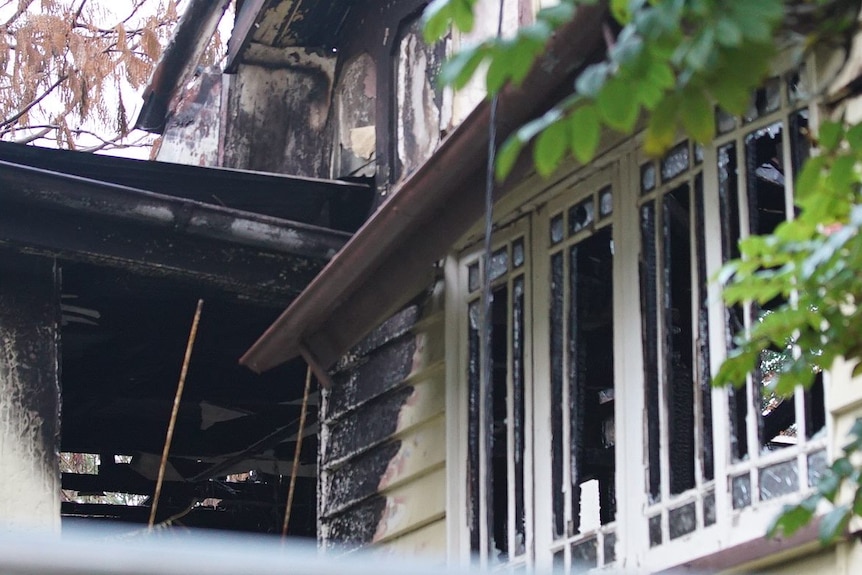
<point x="598" y="441"/>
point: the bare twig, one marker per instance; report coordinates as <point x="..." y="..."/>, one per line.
<point x="177" y="398"/>
<point x="35" y="101"/>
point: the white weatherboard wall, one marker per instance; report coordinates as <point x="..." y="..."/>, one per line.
<point x="29" y="395"/>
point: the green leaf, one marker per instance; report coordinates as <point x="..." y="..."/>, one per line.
<point x="833" y="524"/>
<point x="791" y="519"/>
<point x="617" y="106"/>
<point x="551" y="146"/>
<point x="697" y="115"/>
<point x="854" y="138"/>
<point x="728" y="32"/>
<point x="829" y="135"/>
<point x="806" y="183"/>
<point x="585" y="132"/>
<point x="661" y="131"/>
<point x="592" y="80"/>
<point x="436" y="19"/>
<point x="462" y="14"/>
<point x="556" y="15"/>
<point x="507" y="155"/>
<point x="457" y="70"/>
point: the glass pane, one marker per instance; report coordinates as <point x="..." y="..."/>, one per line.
<point x="655" y="530"/>
<point x="606" y="202"/>
<point x="817" y="463"/>
<point x="518" y="253"/>
<point x="499" y="263"/>
<point x="779" y="479"/>
<point x="557" y="229"/>
<point x="709" y="509"/>
<point x="682" y="520"/>
<point x="581" y="216"/>
<point x="473" y="277"/>
<point x="676" y="162"/>
<point x="740" y="491"/>
<point x="698" y="153"/>
<point x="724" y="122"/>
<point x="610" y="547"/>
<point x="648" y="177"/>
<point x="765" y="100"/>
<point x="585" y="555"/>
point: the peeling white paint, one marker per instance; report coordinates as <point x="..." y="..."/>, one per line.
<point x="159" y="213"/>
<point x="30" y="496"/>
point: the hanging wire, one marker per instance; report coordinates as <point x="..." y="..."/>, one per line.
<point x="487" y="364"/>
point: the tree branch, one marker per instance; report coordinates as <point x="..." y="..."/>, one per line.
<point x="9" y="121"/>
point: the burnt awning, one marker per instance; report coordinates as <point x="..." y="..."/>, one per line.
<point x="244" y="232"/>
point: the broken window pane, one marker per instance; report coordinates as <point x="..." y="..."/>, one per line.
<point x="682" y="520"/>
<point x="798" y="85"/>
<point x="740" y="491"/>
<point x="581" y="216"/>
<point x="765" y="100"/>
<point x="675" y="162"/>
<point x="779" y="479"/>
<point x="649" y="305"/>
<point x="765" y="176"/>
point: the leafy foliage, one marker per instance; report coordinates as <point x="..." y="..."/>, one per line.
<point x="672" y="59"/>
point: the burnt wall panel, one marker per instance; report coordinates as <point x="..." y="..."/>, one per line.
<point x="279" y="117"/>
<point x="382" y="441"/>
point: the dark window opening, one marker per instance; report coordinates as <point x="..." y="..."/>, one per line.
<point x="649" y="336"/>
<point x="678" y="338"/>
<point x="591" y="374"/>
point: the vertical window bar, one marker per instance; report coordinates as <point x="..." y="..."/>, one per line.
<point x="497" y="429"/>
<point x="473" y="427"/>
<point x="649" y="316"/>
<point x="703" y="372"/>
<point x="677" y="280"/>
<point x="576" y="399"/>
<point x="518" y="416"/>
<point x="556" y="360"/>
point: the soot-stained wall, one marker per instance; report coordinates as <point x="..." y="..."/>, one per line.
<point x="382" y="438"/>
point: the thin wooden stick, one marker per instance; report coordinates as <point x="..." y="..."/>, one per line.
<point x="296" y="453"/>
<point x="177" y="398"/>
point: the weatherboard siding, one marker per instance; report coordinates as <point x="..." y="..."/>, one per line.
<point x="382" y="455"/>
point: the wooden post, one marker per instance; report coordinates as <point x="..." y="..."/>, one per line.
<point x="29" y="392"/>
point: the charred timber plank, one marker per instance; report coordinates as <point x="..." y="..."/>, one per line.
<point x="267" y="276"/>
<point x="382" y="371"/>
